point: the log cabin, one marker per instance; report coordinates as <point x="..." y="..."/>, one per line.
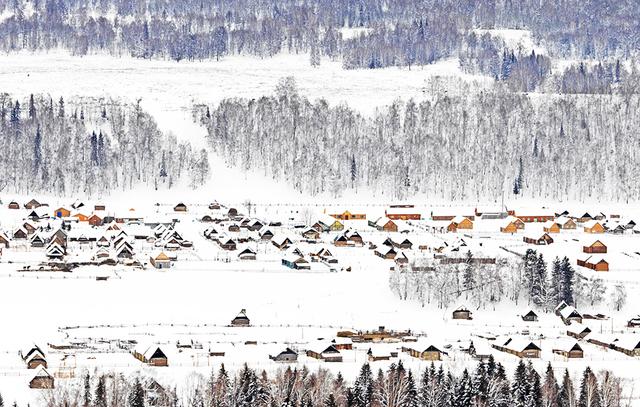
<point x="286" y="356"/>
<point x="578" y="331"/>
<point x="462" y="313"/>
<point x="595" y="247"/>
<point x="348" y="215"/>
<point x="151" y="354"/>
<point x="518" y="346"/>
<point x="241" y="319"/>
<point x="424" y="351"/>
<point x="402" y="212"/>
<point x="596" y="263"/>
<point x="41" y="379"/>
<point x="325" y="352"/>
<point x="32" y="204"/>
<point x="570" y="349"/>
<point x="593" y="226"/>
<point x="551" y="227"/>
<point x="566" y="223"/>
<point x="538" y="240"/>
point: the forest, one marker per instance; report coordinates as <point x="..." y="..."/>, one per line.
<point x="487" y="385"/>
<point x="528" y="281"/>
<point x="89" y="146"/>
<point x="464" y="144"/>
<point x="396" y="33"/>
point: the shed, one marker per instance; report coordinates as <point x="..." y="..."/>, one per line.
<point x="286" y="356"/>
<point x="160" y="260"/>
<point x="151" y="355"/>
<point x="530" y="316"/>
<point x="462" y="313"/>
<point x="324" y="351"/>
<point x="180" y="207"/>
<point x="241" y="319"/>
<point x="595" y="247"/>
<point x="41" y="379"/>
<point x="570" y="349"/>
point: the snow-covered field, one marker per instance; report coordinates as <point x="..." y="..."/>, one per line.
<point x="207" y="286"/>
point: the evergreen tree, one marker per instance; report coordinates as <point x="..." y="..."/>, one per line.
<point x="354" y="171"/>
<point x="567" y="396"/>
<point x="567" y="281"/>
<point x="469" y="274"/>
<point x="534" y="390"/>
<point x="331" y="401"/>
<point x="14" y="119"/>
<point x="37" y="150"/>
<point x="94" y="148"/>
<point x="550" y="389"/>
<point x="136" y="395"/>
<point x="519" y="386"/>
<point x="464" y="390"/>
<point x="480" y="384"/>
<point x="363" y="387"/>
<point x="555" y="290"/>
<point x="86" y="394"/>
<point x="589" y="390"/>
<point x="539" y="282"/>
<point x="100" y="398"/>
<point x="32" y="108"/>
<point x="1" y="401"/>
<point x="61" y="108"/>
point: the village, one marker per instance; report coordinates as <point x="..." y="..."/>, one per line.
<point x="327" y="264"/>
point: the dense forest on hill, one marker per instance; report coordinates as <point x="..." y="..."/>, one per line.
<point x="393" y="33"/>
<point x="89" y="146"/>
<point x="467" y="145"/>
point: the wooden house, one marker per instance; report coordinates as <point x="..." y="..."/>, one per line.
<point x="32" y="204"/>
<point x="13" y="205"/>
<point x="4" y="239"/>
<point x="247" y="254"/>
<point x="585" y="217"/>
<point x="232" y="213"/>
<point x="570" y="349"/>
<point x="569" y="315"/>
<point x="152" y="355"/>
<point x="37" y="240"/>
<point x="462" y="313"/>
<point x="81" y="217"/>
<point x="29" y="228"/>
<point x="33" y="356"/>
<point x="214" y="206"/>
<point x="539" y="240"/>
<point x="511" y="225"/>
<point x="180" y="207"/>
<point x="634" y="322"/>
<point x="518" y="346"/>
<point x="551" y="227"/>
<point x="424" y="351"/>
<point x="402" y="212"/>
<point x="459" y="222"/>
<point x="41" y="379"/>
<point x="595" y="247"/>
<point x="354" y="237"/>
<point x="160" y="260"/>
<point x="38" y="213"/>
<point x="536" y="218"/>
<point x="255" y="225"/>
<point x="596" y="263"/>
<point x="385" y="252"/>
<point x="628" y="344"/>
<point x="286" y="356"/>
<point x="343" y="343"/>
<point x="227" y="243"/>
<point x="328" y="224"/>
<point x="99" y="207"/>
<point x="566" y="223"/>
<point x="402" y="243"/>
<point x="385" y="224"/>
<point x="61" y="213"/>
<point x="95" y="220"/>
<point x="265" y="234"/>
<point x="530" y="316"/>
<point x="55" y="251"/>
<point x="593" y="226"/>
<point x="578" y="331"/>
<point x="381" y="352"/>
<point x="341" y="241"/>
<point x="241" y="319"/>
<point x="295" y="261"/>
<point x="281" y="241"/>
<point x="20" y="233"/>
<point x="311" y="233"/>
<point x="124" y="250"/>
<point x="325" y="352"/>
<point x="348" y="215"/>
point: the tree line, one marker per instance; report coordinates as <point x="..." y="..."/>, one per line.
<point x="565" y="147"/>
<point x="530" y="279"/>
<point x="89" y="146"/>
<point x="398" y="33"/>
<point x="486" y="385"/>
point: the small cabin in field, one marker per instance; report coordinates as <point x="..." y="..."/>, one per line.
<point x="95" y="220"/>
<point x="578" y="331"/>
<point x="384" y="224"/>
<point x="180" y="207"/>
<point x="4" y="240"/>
<point x="511" y="225"/>
<point x="385" y="252"/>
<point x="551" y="227"/>
<point x="462" y="313"/>
<point x="595" y="247"/>
<point x="325" y="352"/>
<point x="32" y="204"/>
<point x="33" y="356"/>
<point x="42" y="379"/>
<point x="593" y="226"/>
<point x="566" y="223"/>
<point x="538" y="240"/>
<point x="151" y="355"/>
<point x="569" y="314"/>
<point x="286" y="356"/>
<point x="596" y="263"/>
<point x="518" y="346"/>
<point x="295" y="261"/>
<point x="341" y="241"/>
<point x="570" y="349"/>
<point x="160" y="260"/>
<point x="241" y="319"/>
<point x="13" y="205"/>
<point x="424" y="351"/>
<point x="381" y="352"/>
<point x="247" y="254"/>
<point x="311" y="233"/>
<point x="530" y="316"/>
<point x="354" y="237"/>
<point x="628" y="344"/>
<point x="402" y="212"/>
<point x="459" y="223"/>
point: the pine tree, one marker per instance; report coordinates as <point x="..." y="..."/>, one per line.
<point x="331" y="401"/>
<point x="136" y="395"/>
<point x="468" y="277"/>
<point x="37" y="150"/>
<point x="354" y="171"/>
<point x="480" y="384"/>
<point x="100" y="398"/>
<point x="519" y="386"/>
<point x="589" y="390"/>
<point x="363" y="387"/>
<point x="14" y="119"/>
<point x="567" y="396"/>
<point x="534" y="390"/>
<point x="555" y="282"/>
<point x="464" y="390"/>
<point x="550" y="389"/>
<point x="1" y="401"/>
<point x="61" y="108"/>
<point x="86" y="395"/>
<point x="539" y="282"/>
<point x="94" y="148"/>
<point x="567" y="281"/>
<point x="32" y="108"/>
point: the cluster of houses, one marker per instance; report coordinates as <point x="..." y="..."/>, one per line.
<point x="100" y="238"/>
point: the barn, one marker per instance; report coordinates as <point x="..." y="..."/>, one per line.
<point x="570" y="349"/>
<point x="402" y="212"/>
